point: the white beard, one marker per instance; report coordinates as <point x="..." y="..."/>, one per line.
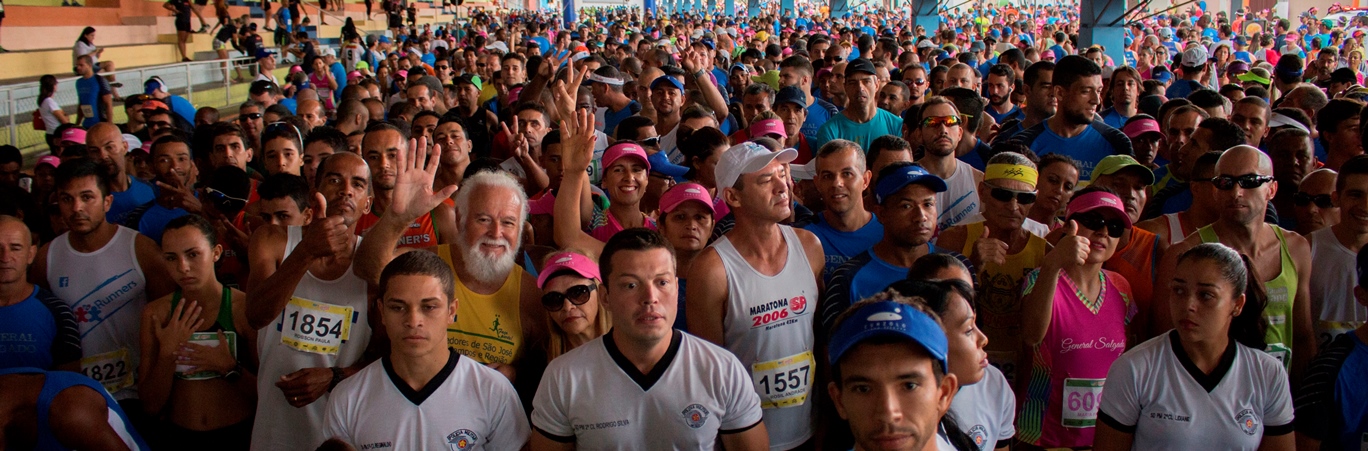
<point x="484" y="268"/>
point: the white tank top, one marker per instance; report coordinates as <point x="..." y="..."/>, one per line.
<point x="768" y="325"/>
<point x="1333" y="307"/>
<point x="106" y="290"/>
<point x="1175" y="229"/>
<point x="297" y="340"/>
<point x="960" y="199"/>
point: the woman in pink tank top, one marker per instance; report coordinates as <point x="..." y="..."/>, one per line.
<point x="1074" y="317"/>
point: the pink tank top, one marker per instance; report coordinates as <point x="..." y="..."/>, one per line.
<point x="1070" y="366"/>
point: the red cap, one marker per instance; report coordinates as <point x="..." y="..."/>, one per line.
<point x="50" y="160"/>
<point x="1140" y="126"/>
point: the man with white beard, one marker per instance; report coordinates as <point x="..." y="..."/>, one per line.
<point x="499" y="301"/>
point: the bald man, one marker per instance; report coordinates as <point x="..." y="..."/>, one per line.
<point x="38" y="329"/>
<point x="1311" y="203"/>
<point x="311" y="111"/>
<point x="106" y="146"/>
<point x="1282" y="258"/>
<point x="963" y="76"/>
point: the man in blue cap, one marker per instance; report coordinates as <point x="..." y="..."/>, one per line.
<point x="889" y="374"/>
<point x="157" y="88"/>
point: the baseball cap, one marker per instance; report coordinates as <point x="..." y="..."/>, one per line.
<point x="925" y="44"/>
<point x="1258" y="75"/>
<point x="976" y="46"/>
<point x="888" y="318"/>
<point x="384" y="39"/>
<point x="624" y="149"/>
<point x="1194" y="55"/>
<point x="1289" y="66"/>
<point x="132" y="141"/>
<point x="1161" y="74"/>
<point x="74" y="134"/>
<point x="767" y="127"/>
<point x="682" y="192"/>
<point x="1237" y="66"/>
<point x="153" y="104"/>
<point x="770" y="78"/>
<point x="1276" y="120"/>
<point x="1098" y="200"/>
<point x="469" y="79"/>
<point x="153" y="85"/>
<point x="568" y="261"/>
<point x="1112" y="164"/>
<point x="1139" y="126"/>
<point x="666" y="79"/>
<point x="860" y="65"/>
<point x="49" y="160"/>
<point x="746" y="158"/>
<point x="741" y="67"/>
<point x="907" y="175"/>
<point x="791" y="94"/>
<point x="263" y="53"/>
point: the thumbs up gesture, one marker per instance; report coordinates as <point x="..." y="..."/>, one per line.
<point x="325" y="236"/>
<point x="1071" y="250"/>
<point x="990" y="250"/>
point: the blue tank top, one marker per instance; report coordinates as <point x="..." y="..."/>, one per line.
<point x="57" y="381"/>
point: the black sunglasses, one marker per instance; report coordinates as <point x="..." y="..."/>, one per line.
<point x="1321" y="200"/>
<point x="554" y="301"/>
<point x="650" y="142"/>
<point x="1094" y="221"/>
<point x="249" y="116"/>
<point x="1006" y="195"/>
<point x="1247" y="181"/>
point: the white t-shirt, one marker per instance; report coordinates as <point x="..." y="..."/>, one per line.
<point x="81" y="48"/>
<point x="986" y="411"/>
<point x="1155" y="392"/>
<point x="593" y="396"/>
<point x="50" y="121"/>
<point x="466" y="406"/>
<point x="1333" y="306"/>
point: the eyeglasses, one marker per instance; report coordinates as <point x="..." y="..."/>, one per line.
<point x="1006" y="195"/>
<point x="1321" y="200"/>
<point x="1247" y="181"/>
<point x="1093" y="221"/>
<point x="947" y="121"/>
<point x="249" y="117"/>
<point x="554" y="301"/>
<point x="650" y="142"/>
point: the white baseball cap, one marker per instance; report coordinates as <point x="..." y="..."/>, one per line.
<point x="746" y="158"/>
<point x="1194" y="56"/>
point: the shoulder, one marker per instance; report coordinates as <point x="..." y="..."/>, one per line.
<point x="809" y="239"/>
<point x="1142" y="356"/>
<point x="1297" y="243"/>
<point x="269" y="234"/>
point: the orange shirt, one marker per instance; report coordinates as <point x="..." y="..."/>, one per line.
<point x="1136" y="263"/>
<point x="420" y="233"/>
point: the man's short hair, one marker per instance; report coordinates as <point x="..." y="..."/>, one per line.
<point x="1072" y="68"/>
<point x="283" y="184"/>
<point x="634" y="239"/>
<point x="1358" y="165"/>
<point x="420" y="264"/>
<point x="1224" y="134"/>
<point x="81" y="168"/>
<point x="1329" y="117"/>
<point x="11" y="154"/>
<point x="334" y="138"/>
<point x="968" y="103"/>
<point x="1033" y="71"/>
<point x="798" y="62"/>
<point x="1003" y="70"/>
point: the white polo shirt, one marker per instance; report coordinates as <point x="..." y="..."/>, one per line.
<point x="1155" y="392"/>
<point x="986" y="411"/>
<point x="466" y="406"/>
<point x="597" y="399"/>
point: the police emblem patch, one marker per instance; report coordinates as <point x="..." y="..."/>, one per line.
<point x="695" y="415"/>
<point x="1247" y="421"/>
<point x="462" y="440"/>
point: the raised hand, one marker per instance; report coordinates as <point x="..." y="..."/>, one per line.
<point x="1072" y="250"/>
<point x="413" y="192"/>
<point x="182" y="197"/>
<point x="577" y="142"/>
<point x="172" y="335"/>
<point x="990" y="250"/>
<point x="325" y="236"/>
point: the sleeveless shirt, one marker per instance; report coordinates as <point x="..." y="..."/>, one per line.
<point x="488" y="327"/>
<point x="1282" y="290"/>
<point x="999" y="301"/>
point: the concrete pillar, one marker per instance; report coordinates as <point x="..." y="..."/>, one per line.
<point x="1095" y="26"/>
<point x="729" y="8"/>
<point x="924" y="14"/>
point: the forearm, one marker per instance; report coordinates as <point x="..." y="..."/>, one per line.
<point x="567" y="229"/>
<point x="270" y="296"/>
<point x="107" y="108"/>
<point x="154" y="385"/>
<point x="537" y="180"/>
<point x="711" y="94"/>
<point x="378" y="248"/>
<point x="1036" y="305"/>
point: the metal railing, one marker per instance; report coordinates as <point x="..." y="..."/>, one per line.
<point x="203" y="83"/>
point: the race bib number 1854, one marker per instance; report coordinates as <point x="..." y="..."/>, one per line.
<point x="315" y="327"/>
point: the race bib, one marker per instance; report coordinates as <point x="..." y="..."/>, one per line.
<point x="315" y="327"/>
<point x="784" y="382"/>
<point x="209" y="339"/>
<point x="1082" y="397"/>
<point x="112" y="369"/>
<point x="87" y="111"/>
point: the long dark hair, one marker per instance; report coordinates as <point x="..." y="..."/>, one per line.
<point x="82" y="37"/>
<point x="1248" y="327"/>
<point x="47" y="86"/>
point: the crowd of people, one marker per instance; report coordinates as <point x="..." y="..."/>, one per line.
<point x="648" y="232"/>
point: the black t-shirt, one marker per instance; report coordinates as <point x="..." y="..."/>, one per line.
<point x="182" y="9"/>
<point x="226" y="33"/>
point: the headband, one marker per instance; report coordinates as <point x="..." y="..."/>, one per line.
<point x="605" y="80"/>
<point x="1021" y="173"/>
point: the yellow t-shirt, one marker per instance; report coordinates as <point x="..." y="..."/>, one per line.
<point x="488" y="327"/>
<point x="488" y="92"/>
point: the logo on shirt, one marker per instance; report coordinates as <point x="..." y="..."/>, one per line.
<point x="1247" y="421"/>
<point x="462" y="439"/>
<point x="778" y="312"/>
<point x="63" y="281"/>
<point x="979" y="434"/>
<point x="695" y="415"/>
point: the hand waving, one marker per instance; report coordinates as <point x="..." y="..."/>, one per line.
<point x="577" y="142"/>
<point x="413" y="192"/>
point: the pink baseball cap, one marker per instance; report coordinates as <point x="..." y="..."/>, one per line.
<point x="768" y="127"/>
<point x="73" y="134"/>
<point x="1098" y="200"/>
<point x="624" y="149"/>
<point x="51" y="160"/>
<point x="683" y="192"/>
<point x="296" y="69"/>
<point x="568" y="261"/>
<point x="1140" y="126"/>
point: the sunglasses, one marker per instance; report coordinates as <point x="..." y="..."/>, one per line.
<point x="1321" y="200"/>
<point x="1247" y="181"/>
<point x="1093" y="221"/>
<point x="554" y="301"/>
<point x="1006" y="195"/>
<point x="249" y="117"/>
<point x="948" y="121"/>
<point x="650" y="142"/>
<point x="918" y="81"/>
<point x="443" y="67"/>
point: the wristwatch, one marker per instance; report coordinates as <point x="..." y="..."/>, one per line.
<point x="337" y="378"/>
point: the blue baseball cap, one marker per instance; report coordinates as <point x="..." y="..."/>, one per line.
<point x="664" y="79"/>
<point x="1162" y="74"/>
<point x="888" y="318"/>
<point x="384" y="39"/>
<point x="660" y="163"/>
<point x="907" y="175"/>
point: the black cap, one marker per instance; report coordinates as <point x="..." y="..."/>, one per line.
<point x="1343" y="75"/>
<point x="260" y="87"/>
<point x="860" y="65"/>
<point x="791" y="94"/>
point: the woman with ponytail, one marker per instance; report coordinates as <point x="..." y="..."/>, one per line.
<point x="1206" y="384"/>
